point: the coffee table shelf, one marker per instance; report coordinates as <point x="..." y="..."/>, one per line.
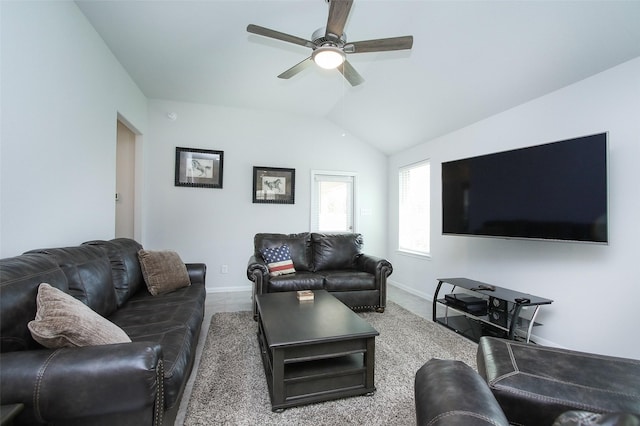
<point x="323" y="367"/>
<point x="325" y="351"/>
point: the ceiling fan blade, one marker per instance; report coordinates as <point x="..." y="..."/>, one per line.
<point x="296" y="68"/>
<point x="338" y="14"/>
<point x="350" y="73"/>
<point x="380" y="45"/>
<point x="256" y="29"/>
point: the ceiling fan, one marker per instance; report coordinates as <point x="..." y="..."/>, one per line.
<point x="330" y="46"/>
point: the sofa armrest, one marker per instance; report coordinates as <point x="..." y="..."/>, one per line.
<point x="197" y="272"/>
<point x="256" y="265"/>
<point x="73" y="385"/>
<point x="258" y="272"/>
<point x="452" y="393"/>
<point x="381" y="268"/>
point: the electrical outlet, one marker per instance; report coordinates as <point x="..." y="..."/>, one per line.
<point x="224" y="269"/>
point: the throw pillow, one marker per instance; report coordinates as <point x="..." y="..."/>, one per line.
<point x="163" y="271"/>
<point x="64" y="321"/>
<point x="299" y="247"/>
<point x="278" y="260"/>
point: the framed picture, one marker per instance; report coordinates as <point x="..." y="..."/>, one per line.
<point x="274" y="185"/>
<point x="199" y="168"/>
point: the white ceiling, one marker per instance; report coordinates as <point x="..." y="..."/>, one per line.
<point x="470" y="59"/>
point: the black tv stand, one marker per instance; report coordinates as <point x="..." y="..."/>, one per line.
<point x="503" y="317"/>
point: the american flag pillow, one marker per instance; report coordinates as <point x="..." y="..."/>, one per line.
<point x="278" y="260"/>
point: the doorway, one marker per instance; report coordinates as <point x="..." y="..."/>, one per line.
<point x="125" y="181"/>
<point x="333" y="201"/>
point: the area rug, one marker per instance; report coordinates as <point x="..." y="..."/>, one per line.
<point x="231" y="389"/>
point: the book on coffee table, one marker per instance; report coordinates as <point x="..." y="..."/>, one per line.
<point x="304" y="295"/>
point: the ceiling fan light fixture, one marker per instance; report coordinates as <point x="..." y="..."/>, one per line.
<point x="328" y="57"/>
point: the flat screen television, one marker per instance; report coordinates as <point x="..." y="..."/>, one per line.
<point x="554" y="191"/>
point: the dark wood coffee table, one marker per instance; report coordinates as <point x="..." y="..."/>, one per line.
<point x="313" y="351"/>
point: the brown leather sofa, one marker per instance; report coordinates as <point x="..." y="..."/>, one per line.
<point x="527" y="384"/>
<point x="137" y="383"/>
<point x="332" y="262"/>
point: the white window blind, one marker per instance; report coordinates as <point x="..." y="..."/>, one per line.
<point x="414" y="222"/>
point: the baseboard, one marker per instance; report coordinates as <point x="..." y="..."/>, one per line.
<point x="422" y="295"/>
<point x="428" y="298"/>
<point x="544" y="342"/>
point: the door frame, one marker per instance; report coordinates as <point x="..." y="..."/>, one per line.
<point x="314" y="196"/>
<point x="138" y="206"/>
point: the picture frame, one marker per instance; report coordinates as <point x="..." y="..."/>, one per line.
<point x="274" y="185"/>
<point x="199" y="168"/>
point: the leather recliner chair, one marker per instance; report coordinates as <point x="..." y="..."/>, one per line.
<point x="506" y="391"/>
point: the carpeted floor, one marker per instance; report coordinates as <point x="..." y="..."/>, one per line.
<point x="230" y="387"/>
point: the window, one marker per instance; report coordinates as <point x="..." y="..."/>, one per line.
<point x="414" y="219"/>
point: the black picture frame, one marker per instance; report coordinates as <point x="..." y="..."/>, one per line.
<point x="274" y="185"/>
<point x="199" y="168"/>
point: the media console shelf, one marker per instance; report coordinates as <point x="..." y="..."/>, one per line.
<point x="502" y="316"/>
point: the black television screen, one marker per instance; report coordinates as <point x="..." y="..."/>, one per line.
<point x="555" y="191"/>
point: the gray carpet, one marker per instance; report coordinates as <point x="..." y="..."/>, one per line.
<point x="230" y="387"/>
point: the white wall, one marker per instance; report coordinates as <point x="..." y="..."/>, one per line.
<point x="217" y="226"/>
<point x="62" y="90"/>
<point x="595" y="288"/>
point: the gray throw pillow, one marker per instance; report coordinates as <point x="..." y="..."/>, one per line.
<point x="163" y="271"/>
<point x="64" y="321"/>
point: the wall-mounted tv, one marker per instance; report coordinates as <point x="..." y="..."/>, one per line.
<point x="555" y="191"/>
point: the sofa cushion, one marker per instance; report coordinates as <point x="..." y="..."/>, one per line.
<point x="295" y="282"/>
<point x="299" y="247"/>
<point x="335" y="251"/>
<point x="278" y="260"/>
<point x="63" y="321"/>
<point x="172" y="320"/>
<point x="184" y="306"/>
<point x="348" y="280"/>
<point x="20" y="277"/>
<point x="163" y="271"/>
<point x="125" y="266"/>
<point x="88" y="272"/>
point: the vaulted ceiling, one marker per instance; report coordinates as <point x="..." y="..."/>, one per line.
<point x="470" y="59"/>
